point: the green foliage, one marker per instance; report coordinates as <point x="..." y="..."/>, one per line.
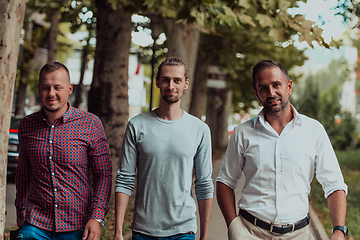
<point x="271" y="14"/>
<point x="329" y="109"/>
<point x="309" y="100"/>
<point x="350" y="165"/>
<point x="319" y="98"/>
<point x="237" y="52"/>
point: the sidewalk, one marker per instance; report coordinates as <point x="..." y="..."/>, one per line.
<point x="217" y="227"/>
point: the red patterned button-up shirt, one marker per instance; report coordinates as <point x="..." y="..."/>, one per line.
<point x="52" y="177"/>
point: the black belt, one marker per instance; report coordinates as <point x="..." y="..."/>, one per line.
<point x="273" y="228"/>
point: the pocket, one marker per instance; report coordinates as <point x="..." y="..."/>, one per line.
<point x="234" y="229"/>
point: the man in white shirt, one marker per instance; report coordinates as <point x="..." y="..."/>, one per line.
<point x="279" y="151"/>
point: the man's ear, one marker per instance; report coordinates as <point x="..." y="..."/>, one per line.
<point x="290" y="86"/>
<point x="186" y="83"/>
<point x="157" y="83"/>
<point x="71" y="87"/>
<point x="256" y="94"/>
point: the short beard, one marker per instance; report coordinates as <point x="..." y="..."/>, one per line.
<point x="172" y="99"/>
<point x="278" y="111"/>
<point x="51" y="110"/>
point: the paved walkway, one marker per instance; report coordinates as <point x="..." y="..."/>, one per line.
<point x="217" y="226"/>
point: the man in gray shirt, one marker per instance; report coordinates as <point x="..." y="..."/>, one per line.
<point x="164" y="147"/>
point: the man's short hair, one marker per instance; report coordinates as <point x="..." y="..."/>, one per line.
<point x="264" y="64"/>
<point x="172" y="61"/>
<point x="53" y="66"/>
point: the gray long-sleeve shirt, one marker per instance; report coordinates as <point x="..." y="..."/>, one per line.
<point x="165" y="153"/>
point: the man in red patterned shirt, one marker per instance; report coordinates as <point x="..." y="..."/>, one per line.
<point x="58" y="147"/>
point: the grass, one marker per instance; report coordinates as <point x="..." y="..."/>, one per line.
<point x="109" y="226"/>
<point x="350" y="165"/>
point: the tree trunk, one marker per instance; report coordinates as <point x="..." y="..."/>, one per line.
<point x="218" y="103"/>
<point x="53" y="32"/>
<point x="199" y="90"/>
<point x="25" y="57"/>
<point x="11" y="22"/>
<point x="108" y="96"/>
<point x="84" y="61"/>
<point x="183" y="42"/>
<point x="20" y="99"/>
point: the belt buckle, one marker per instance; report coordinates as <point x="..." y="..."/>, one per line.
<point x="271" y="227"/>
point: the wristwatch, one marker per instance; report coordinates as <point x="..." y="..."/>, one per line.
<point x="100" y="221"/>
<point x="344" y="229"/>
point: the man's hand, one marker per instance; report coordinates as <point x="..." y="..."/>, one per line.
<point x="92" y="230"/>
<point x="118" y="237"/>
<point x="338" y="235"/>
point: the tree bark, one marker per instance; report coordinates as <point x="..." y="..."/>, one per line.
<point x="84" y="61"/>
<point x="11" y="22"/>
<point x="53" y="32"/>
<point x="24" y="66"/>
<point x="218" y="103"/>
<point x="108" y="96"/>
<point x="183" y="42"/>
<point x="199" y="90"/>
<point x="20" y="99"/>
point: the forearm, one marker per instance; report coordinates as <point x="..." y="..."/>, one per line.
<point x="226" y="200"/>
<point x="121" y="202"/>
<point x="337" y="208"/>
<point x="204" y="213"/>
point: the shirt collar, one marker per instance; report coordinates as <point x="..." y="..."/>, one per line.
<point x="261" y="117"/>
<point x="67" y="115"/>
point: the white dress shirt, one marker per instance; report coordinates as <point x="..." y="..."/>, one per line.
<point x="279" y="168"/>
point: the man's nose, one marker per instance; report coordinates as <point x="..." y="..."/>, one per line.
<point x="272" y="91"/>
<point x="52" y="91"/>
<point x="171" y="84"/>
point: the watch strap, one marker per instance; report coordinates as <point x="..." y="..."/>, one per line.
<point x="100" y="221"/>
<point x="344" y="229"/>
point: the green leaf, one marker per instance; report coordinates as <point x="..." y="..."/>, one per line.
<point x="229" y="12"/>
<point x="208" y="1"/>
<point x="278" y="34"/>
<point x="284" y="5"/>
<point x="245" y="4"/>
<point x="247" y="19"/>
<point x="264" y="20"/>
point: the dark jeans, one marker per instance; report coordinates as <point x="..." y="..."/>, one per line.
<point x="183" y="236"/>
<point x="30" y="232"/>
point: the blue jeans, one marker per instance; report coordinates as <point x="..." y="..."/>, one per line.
<point x="182" y="236"/>
<point x="30" y="232"/>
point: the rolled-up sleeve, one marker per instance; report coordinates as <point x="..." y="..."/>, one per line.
<point x="327" y="168"/>
<point x="231" y="168"/>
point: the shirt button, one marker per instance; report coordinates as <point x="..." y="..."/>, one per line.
<point x="55" y="189"/>
<point x="52" y="126"/>
<point x="52" y="173"/>
<point x="50" y="141"/>
<point x="50" y="157"/>
<point x="56" y="205"/>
